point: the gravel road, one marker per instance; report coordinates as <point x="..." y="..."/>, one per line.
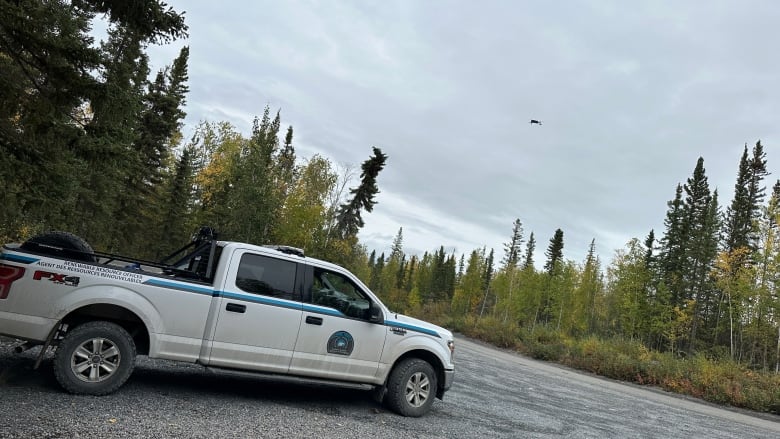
<point x="496" y="394"/>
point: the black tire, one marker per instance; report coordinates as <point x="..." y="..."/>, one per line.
<point x="61" y="244"/>
<point x="411" y="387"/>
<point x="95" y="358"/>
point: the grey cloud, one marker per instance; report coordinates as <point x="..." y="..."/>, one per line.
<point x="631" y="94"/>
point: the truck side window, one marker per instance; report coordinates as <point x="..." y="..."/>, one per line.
<point x="339" y="292"/>
<point x="267" y="276"/>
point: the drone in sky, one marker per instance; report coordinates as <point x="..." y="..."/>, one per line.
<point x="534" y="121"/>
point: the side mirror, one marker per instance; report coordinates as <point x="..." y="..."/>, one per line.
<point x="375" y="313"/>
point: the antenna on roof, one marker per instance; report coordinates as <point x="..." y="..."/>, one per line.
<point x="286" y="249"/>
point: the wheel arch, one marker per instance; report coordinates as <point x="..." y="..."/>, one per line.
<point x="122" y="316"/>
<point x="432" y="359"/>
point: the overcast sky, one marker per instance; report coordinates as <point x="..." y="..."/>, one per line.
<point x="630" y="94"/>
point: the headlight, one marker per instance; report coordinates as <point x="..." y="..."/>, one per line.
<point x="451" y="345"/>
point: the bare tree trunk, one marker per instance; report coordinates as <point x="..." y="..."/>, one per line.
<point x="335" y="197"/>
<point x="560" y="317"/>
<point x="731" y="329"/>
<point x="777" y="356"/>
<point x="716" y="334"/>
<point x="509" y="298"/>
<point x="484" y="301"/>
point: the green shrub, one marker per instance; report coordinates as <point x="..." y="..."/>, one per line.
<point x="496" y="332"/>
<point x="545" y="343"/>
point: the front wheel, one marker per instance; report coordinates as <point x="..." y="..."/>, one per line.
<point x="411" y="387"/>
<point x="95" y="358"/>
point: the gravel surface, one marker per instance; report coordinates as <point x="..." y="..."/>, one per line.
<point x="496" y="394"/>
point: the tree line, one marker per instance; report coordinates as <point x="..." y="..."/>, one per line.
<point x="710" y="285"/>
<point x="91" y="142"/>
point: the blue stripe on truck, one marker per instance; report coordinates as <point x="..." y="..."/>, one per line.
<point x="17" y="258"/>
<point x="178" y="286"/>
<point x="265" y="300"/>
<point x="412" y="328"/>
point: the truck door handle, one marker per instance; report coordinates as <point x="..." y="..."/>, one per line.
<point x="313" y="320"/>
<point x="235" y="307"/>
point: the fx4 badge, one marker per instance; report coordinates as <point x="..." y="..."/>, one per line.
<point x="57" y="278"/>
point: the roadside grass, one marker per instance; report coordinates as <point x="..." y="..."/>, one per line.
<point x="723" y="382"/>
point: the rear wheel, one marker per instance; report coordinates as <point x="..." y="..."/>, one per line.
<point x="411" y="387"/>
<point x="95" y="358"/>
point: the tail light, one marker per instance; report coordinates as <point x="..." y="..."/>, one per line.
<point x="8" y="274"/>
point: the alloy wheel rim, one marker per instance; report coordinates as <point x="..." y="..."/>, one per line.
<point x="418" y="389"/>
<point x="95" y="360"/>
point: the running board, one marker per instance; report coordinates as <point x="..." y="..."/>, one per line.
<point x="289" y="378"/>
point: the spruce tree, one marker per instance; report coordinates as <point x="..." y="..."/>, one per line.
<point x="401" y="273"/>
<point x="701" y="224"/>
<point x="651" y="268"/>
<point x="554" y="252"/>
<point x="349" y="220"/>
<point x="737" y="223"/>
<point x="673" y="247"/>
<point x="156" y="135"/>
<point x="707" y="249"/>
<point x="697" y="216"/>
<point x="46" y="53"/>
<point x="756" y="191"/>
<point x="439" y="274"/>
<point x="584" y="312"/>
<point x="396" y="251"/>
<point x="162" y="117"/>
<point x="69" y="109"/>
<point x="450" y="277"/>
<point x="109" y="148"/>
<point x="285" y="161"/>
<point x="488" y="276"/>
<point x="513" y="248"/>
<point x="410" y="273"/>
<point x="154" y="19"/>
<point x="745" y="209"/>
<point x="254" y="203"/>
<point x="177" y="205"/>
<point x="461" y="268"/>
<point x="551" y="293"/>
<point x="375" y="280"/>
<point x="530" y="247"/>
<point x="397" y="256"/>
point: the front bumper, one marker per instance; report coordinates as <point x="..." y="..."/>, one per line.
<point x="449" y="376"/>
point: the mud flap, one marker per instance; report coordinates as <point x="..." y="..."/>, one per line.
<point x="378" y="394"/>
<point x="48" y="343"/>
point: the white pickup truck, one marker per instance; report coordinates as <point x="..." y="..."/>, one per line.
<point x="231" y="307"/>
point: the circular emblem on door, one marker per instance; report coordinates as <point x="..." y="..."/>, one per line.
<point x="340" y="343"/>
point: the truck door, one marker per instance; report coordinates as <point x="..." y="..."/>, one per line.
<point x="336" y="339"/>
<point x="259" y="314"/>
